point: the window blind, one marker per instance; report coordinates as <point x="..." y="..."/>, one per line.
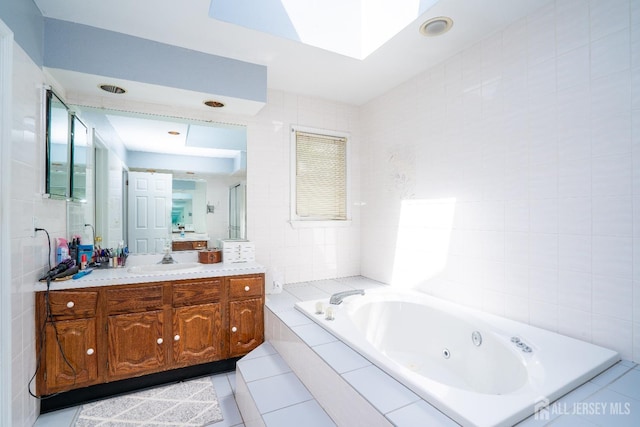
<point x="321" y="176"/>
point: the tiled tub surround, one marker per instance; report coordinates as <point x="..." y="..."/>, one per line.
<point x="353" y="392"/>
<point x="475" y="367"/>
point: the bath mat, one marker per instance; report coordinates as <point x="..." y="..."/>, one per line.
<point x="188" y="403"/>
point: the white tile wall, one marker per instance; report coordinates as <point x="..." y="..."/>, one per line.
<point x="28" y="255"/>
<point x="534" y="131"/>
<point x="297" y="254"/>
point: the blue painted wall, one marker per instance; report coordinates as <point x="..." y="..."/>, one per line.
<point x="26" y="22"/>
<point x="86" y="49"/>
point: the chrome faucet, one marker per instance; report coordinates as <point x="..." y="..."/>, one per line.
<point x="167" y="258"/>
<point x="339" y="296"/>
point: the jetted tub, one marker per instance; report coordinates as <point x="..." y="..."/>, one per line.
<point x="477" y="368"/>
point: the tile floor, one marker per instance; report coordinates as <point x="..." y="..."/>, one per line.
<point x="224" y="385"/>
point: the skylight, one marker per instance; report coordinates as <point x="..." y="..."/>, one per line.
<point x="354" y="28"/>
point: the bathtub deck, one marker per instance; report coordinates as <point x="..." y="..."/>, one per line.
<point x="612" y="398"/>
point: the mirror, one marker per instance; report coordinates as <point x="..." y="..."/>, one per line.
<point x="205" y="160"/>
<point x="58" y="150"/>
<point x="237" y="211"/>
<point x="189" y="206"/>
<point x="80" y="156"/>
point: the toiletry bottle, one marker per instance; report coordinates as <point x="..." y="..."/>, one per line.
<point x="73" y="250"/>
<point x="83" y="262"/>
<point x="62" y="251"/>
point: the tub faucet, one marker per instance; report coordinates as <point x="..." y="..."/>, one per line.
<point x="338" y="297"/>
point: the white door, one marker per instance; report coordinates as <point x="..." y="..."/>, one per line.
<point x="149" y="211"/>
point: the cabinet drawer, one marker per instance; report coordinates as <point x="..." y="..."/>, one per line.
<point x="189" y="245"/>
<point x="134" y="299"/>
<point x="182" y="246"/>
<point x="72" y="304"/>
<point x="199" y="244"/>
<point x="243" y="287"/>
<point x="196" y="292"/>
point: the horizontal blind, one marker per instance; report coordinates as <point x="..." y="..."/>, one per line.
<point x="321" y="176"/>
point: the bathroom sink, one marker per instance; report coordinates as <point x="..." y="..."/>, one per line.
<point x="165" y="268"/>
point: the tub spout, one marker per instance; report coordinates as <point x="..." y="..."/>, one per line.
<point x="338" y="297"/>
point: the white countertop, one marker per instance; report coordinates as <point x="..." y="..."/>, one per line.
<point x="122" y="276"/>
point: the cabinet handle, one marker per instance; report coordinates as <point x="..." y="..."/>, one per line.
<point x="160" y="341"/>
<point x="176" y="338"/>
<point x="234" y="329"/>
<point x="247" y="289"/>
<point x="70" y="304"/>
<point x="90" y="351"/>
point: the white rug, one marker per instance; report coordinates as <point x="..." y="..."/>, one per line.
<point x="190" y="403"/>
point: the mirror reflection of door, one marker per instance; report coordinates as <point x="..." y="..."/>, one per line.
<point x="149" y="207"/>
<point x="237" y="211"/>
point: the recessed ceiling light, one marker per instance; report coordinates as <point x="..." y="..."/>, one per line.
<point x="112" y="89"/>
<point x="436" y="26"/>
<point x="173" y="132"/>
<point x="214" y="104"/>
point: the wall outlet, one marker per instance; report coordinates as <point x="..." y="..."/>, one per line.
<point x="277" y="286"/>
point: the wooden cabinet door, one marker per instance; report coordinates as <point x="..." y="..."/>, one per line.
<point x="197" y="334"/>
<point x="78" y="366"/>
<point x="136" y="344"/>
<point x="246" y="326"/>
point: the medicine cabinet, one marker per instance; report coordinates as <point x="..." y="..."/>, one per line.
<point x="68" y="152"/>
<point x="58" y="147"/>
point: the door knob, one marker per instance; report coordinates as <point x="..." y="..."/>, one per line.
<point x="160" y="341"/>
<point x="234" y="329"/>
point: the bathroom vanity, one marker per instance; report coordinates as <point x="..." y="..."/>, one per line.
<point x="118" y="325"/>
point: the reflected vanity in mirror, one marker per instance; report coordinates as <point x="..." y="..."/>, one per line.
<point x="188" y="210"/>
<point x="204" y="161"/>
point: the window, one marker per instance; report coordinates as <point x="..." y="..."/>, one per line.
<point x="319" y="176"/>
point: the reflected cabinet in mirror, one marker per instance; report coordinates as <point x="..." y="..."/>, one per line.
<point x="58" y="147"/>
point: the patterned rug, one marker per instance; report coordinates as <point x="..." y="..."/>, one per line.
<point x="189" y="403"/>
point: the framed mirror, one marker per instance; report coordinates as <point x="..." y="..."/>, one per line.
<point x="58" y="147"/>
